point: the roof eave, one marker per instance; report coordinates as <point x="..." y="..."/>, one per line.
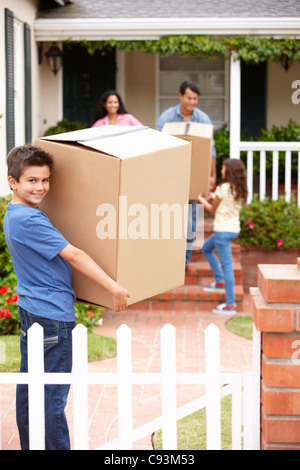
<point x="99" y="29"/>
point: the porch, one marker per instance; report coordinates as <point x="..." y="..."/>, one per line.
<point x="237" y="146"/>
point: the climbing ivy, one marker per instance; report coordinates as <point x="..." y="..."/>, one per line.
<point x="251" y="49"/>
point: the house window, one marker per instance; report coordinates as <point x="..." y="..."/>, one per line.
<point x="209" y="75"/>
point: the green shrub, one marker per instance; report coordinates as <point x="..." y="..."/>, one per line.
<point x="9" y="317"/>
<point x="88" y="315"/>
<point x="65" y="126"/>
<point x="6" y="267"/>
<point x="270" y="224"/>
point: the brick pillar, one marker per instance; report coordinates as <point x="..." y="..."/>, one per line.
<point x="275" y="307"/>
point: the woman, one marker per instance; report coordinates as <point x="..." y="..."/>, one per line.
<point x="111" y="110"/>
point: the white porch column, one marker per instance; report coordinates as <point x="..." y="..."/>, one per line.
<point x="235" y="106"/>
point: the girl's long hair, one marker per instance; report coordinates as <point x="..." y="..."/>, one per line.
<point x="236" y="176"/>
<point x="100" y="109"/>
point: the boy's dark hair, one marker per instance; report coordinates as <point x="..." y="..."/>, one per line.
<point x="189" y="84"/>
<point x="24" y="156"/>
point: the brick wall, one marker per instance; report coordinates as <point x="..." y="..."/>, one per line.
<point x="275" y="307"/>
<point x="251" y="257"/>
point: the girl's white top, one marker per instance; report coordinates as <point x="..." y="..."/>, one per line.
<point x="228" y="211"/>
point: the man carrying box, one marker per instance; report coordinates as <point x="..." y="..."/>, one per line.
<point x="187" y="111"/>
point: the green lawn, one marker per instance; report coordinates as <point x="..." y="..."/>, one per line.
<point x="241" y="325"/>
<point x="99" y="347"/>
<point x="191" y="430"/>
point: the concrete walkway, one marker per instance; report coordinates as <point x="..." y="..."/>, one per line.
<point x="236" y="356"/>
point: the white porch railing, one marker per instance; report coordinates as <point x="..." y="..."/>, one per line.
<point x="244" y="389"/>
<point x="236" y="146"/>
<point x="275" y="148"/>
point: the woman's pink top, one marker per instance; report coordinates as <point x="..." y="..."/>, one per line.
<point x="123" y="120"/>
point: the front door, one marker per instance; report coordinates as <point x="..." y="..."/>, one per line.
<point x="85" y="78"/>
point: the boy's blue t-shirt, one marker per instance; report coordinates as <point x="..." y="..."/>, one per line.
<point x="44" y="278"/>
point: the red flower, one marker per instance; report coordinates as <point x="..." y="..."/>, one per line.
<point x="5" y="313"/>
<point x="250" y="224"/>
<point x="279" y="243"/>
<point x="3" y="290"/>
<point x="12" y="299"/>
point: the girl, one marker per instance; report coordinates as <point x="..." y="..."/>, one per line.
<point x="227" y="201"/>
<point x="111" y="110"/>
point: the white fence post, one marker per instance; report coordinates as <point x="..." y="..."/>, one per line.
<point x="236" y="413"/>
<point x="212" y="369"/>
<point x="80" y="387"/>
<point x="262" y="175"/>
<point x="124" y="387"/>
<point x="288" y="175"/>
<point x="275" y="175"/>
<point x="36" y="387"/>
<point x="168" y="387"/>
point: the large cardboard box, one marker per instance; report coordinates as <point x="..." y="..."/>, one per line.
<point x="120" y="193"/>
<point x="201" y="136"/>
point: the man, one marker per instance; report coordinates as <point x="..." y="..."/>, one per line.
<point x="187" y="111"/>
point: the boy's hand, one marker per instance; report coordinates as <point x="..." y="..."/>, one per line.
<point x="120" y="296"/>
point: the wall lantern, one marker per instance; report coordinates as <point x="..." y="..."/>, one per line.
<point x="286" y="61"/>
<point x="54" y="58"/>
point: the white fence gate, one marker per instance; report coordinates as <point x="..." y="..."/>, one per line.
<point x="244" y="389"/>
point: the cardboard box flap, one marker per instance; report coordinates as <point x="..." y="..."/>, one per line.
<point x="88" y="134"/>
<point x="117" y="140"/>
<point x="196" y="129"/>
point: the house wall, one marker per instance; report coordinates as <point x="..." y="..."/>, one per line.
<point x="140" y="86"/>
<point x="280" y="107"/>
<point x="51" y="95"/>
<point x="24" y="11"/>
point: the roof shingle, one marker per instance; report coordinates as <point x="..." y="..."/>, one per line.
<point x="170" y="9"/>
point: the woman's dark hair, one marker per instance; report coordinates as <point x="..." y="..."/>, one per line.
<point x="236" y="175"/>
<point x="25" y="156"/>
<point x="100" y="109"/>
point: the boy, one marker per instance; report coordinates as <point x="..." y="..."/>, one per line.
<point x="41" y="257"/>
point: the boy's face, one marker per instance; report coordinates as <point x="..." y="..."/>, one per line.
<point x="32" y="186"/>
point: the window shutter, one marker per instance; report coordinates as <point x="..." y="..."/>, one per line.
<point x="9" y="58"/>
<point x="27" y="74"/>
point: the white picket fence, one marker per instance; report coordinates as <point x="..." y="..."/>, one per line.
<point x="244" y="389"/>
<point x="274" y="148"/>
